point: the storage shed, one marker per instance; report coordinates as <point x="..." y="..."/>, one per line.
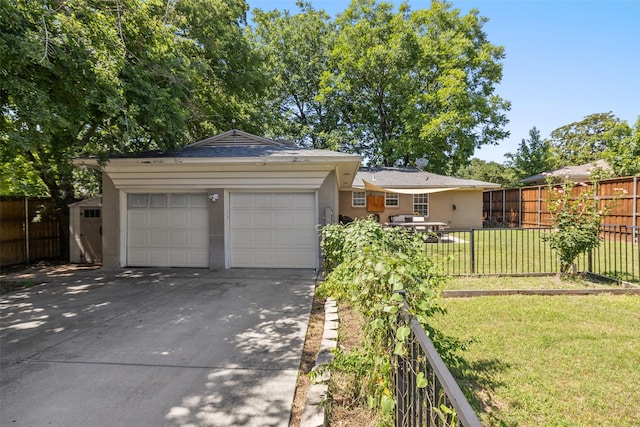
<point x="85" y="231"/>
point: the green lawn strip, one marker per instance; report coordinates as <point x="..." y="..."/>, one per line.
<point x="529" y="282"/>
<point x="549" y="361"/>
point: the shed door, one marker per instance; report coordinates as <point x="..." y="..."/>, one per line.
<point x="91" y="234"/>
<point x="273" y="230"/>
<point x="167" y="230"/>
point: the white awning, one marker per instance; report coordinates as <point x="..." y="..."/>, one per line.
<point x="372" y="187"/>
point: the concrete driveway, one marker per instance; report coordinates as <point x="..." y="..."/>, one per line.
<point x="153" y="347"/>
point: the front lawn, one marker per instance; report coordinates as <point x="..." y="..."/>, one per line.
<point x="549" y="361"/>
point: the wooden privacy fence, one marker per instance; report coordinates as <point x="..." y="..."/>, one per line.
<point x="526" y="207"/>
<point x="29" y="230"/>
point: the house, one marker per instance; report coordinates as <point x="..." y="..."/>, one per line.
<point x="387" y="192"/>
<point x="574" y="173"/>
<point x="232" y="200"/>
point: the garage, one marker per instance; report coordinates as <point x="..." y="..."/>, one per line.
<point x="167" y="230"/>
<point x="230" y="200"/>
<point x="273" y="230"/>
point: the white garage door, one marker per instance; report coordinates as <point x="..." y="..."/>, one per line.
<point x="167" y="230"/>
<point x="273" y="230"/>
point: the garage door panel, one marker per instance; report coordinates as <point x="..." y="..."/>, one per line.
<point x="137" y="219"/>
<point x="137" y="256"/>
<point x="158" y="257"/>
<point x="241" y="239"/>
<point x="301" y="237"/>
<point x="273" y="230"/>
<point x="261" y="239"/>
<point x="283" y="240"/>
<point x="262" y="200"/>
<point x="157" y="238"/>
<point x="168" y="229"/>
<point x="198" y="200"/>
<point x="178" y="238"/>
<point x="179" y="219"/>
<point x="262" y="220"/>
<point x="283" y="220"/>
<point x="305" y="203"/>
<point x="304" y="221"/>
<point x="199" y="239"/>
<point x="240" y="219"/>
<point x="137" y="238"/>
<point x="158" y="219"/>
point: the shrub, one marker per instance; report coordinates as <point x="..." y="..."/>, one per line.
<point x="369" y="265"/>
<point x="576" y="216"/>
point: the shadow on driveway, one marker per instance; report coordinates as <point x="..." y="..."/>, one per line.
<point x="154" y="347"/>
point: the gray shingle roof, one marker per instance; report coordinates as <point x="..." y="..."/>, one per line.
<point x="574" y="173"/>
<point x="414" y="178"/>
<point x="236" y="143"/>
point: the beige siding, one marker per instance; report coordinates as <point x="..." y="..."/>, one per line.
<point x="468" y="212"/>
<point x="328" y="198"/>
<point x="110" y="224"/>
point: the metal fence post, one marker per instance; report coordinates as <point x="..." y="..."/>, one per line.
<point x="473" y="252"/>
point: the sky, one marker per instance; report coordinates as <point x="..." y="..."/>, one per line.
<point x="564" y="59"/>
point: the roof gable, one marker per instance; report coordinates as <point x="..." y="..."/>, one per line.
<point x="236" y="137"/>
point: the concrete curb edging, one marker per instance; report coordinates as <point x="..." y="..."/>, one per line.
<point x="314" y="412"/>
<point x="548" y="292"/>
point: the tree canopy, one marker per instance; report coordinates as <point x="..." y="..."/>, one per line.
<point x="295" y="48"/>
<point x="90" y="77"/>
<point x="586" y="141"/>
<point x="482" y="170"/>
<point x="393" y="86"/>
<point x="416" y="84"/>
<point x="623" y="153"/>
<point x="533" y="156"/>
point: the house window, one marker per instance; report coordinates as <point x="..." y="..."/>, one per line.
<point x="358" y="199"/>
<point x="391" y="200"/>
<point x="421" y="204"/>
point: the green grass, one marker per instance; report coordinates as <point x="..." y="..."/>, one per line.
<point x="550" y="361"/>
<point x="523" y="251"/>
<point x="529" y="282"/>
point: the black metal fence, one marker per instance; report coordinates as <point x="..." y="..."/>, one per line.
<point x="524" y="251"/>
<point x="426" y="392"/>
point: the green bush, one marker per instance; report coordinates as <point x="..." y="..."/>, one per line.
<point x="576" y="215"/>
<point x="366" y="266"/>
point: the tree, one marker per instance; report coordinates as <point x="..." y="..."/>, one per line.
<point x="533" y="156"/>
<point x="623" y="154"/>
<point x="411" y="85"/>
<point x="89" y="77"/>
<point x="587" y="140"/>
<point x="295" y="49"/>
<point x="482" y="170"/>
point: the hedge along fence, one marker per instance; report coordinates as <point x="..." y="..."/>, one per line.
<point x="526" y="207"/>
<point x="29" y="230"/>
